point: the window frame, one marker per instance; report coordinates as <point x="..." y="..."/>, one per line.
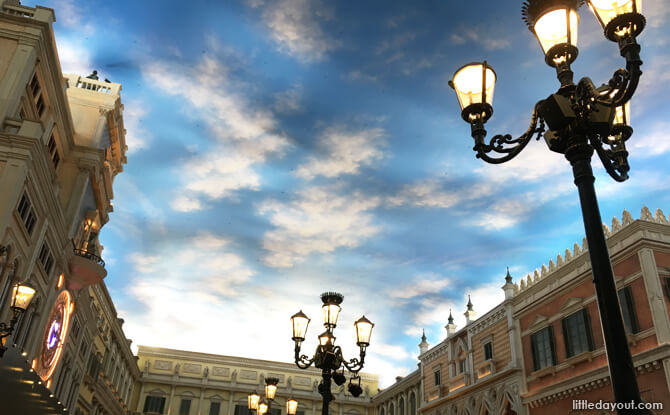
<point x="488" y="350"/>
<point x="158" y="400"/>
<point x="185" y="406"/>
<point x="437" y="377"/>
<point x="552" y="348"/>
<point x="570" y="349"/>
<point x="628" y="310"/>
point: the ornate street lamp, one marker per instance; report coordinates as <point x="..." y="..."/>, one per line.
<point x="22" y="295"/>
<point x="328" y="357"/>
<point x="254" y="402"/>
<point x="580" y="119"/>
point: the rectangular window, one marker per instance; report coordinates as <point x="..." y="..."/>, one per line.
<point x="36" y="90"/>
<point x="53" y="151"/>
<point x="488" y="351"/>
<point x="461" y="366"/>
<point x="577" y="333"/>
<point x="75" y="329"/>
<point x="667" y="287"/>
<point x="628" y="310"/>
<point x="214" y="408"/>
<point x="542" y="347"/>
<point x="27" y="214"/>
<point x="154" y="404"/>
<point x="437" y="377"/>
<point x="241" y="410"/>
<point x="46" y="259"/>
<point x="185" y="407"/>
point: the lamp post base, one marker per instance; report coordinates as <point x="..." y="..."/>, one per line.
<point x="622" y="370"/>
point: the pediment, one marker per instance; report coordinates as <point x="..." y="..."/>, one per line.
<point x="572" y="302"/>
<point x="539" y="320"/>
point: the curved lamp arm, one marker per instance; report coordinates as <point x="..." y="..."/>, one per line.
<point x="302" y="361"/>
<point x="354" y="365"/>
<point x="614" y="158"/>
<point x="505" y="144"/>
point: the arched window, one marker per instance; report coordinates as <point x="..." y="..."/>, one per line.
<point x="391" y="410"/>
<point x="401" y="406"/>
<point x="412" y="404"/>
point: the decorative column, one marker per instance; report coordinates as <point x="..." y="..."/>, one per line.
<point x="654" y="289"/>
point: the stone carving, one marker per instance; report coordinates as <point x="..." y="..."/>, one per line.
<point x="163" y="364"/>
<point x="528" y="280"/>
<point x="585" y="244"/>
<point x="147" y="365"/>
<point x="568" y="255"/>
<point x="544" y="270"/>
<point x="646" y="214"/>
<point x="606" y="230"/>
<point x="248" y="374"/>
<point x="276" y="375"/>
<point x="206" y="372"/>
<point x="192" y="368"/>
<point x="220" y="371"/>
<point x="559" y="260"/>
<point x="233" y="377"/>
<point x="176" y="368"/>
<point x="536" y="275"/>
<point x="626" y="217"/>
<point x="616" y="225"/>
<point x="660" y="217"/>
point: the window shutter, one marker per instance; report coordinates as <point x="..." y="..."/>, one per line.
<point x="587" y="325"/>
<point x="553" y="346"/>
<point x="566" y="338"/>
<point x="533" y="343"/>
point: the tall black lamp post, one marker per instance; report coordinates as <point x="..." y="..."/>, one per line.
<point x="22" y="294"/>
<point x="581" y="118"/>
<point x="328" y="357"/>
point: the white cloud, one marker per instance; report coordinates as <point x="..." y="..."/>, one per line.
<point x="652" y="142"/>
<point x="144" y="263"/>
<point x="487" y="37"/>
<point x="70" y="15"/>
<point x="423" y="284"/>
<point x="186" y="204"/>
<point x="74" y="56"/>
<point x="295" y="25"/>
<point x="391" y="351"/>
<point x="319" y="220"/>
<point x="288" y="102"/>
<point x="137" y="136"/>
<point x="345" y="152"/>
<point x="429" y="193"/>
<point x="246" y="136"/>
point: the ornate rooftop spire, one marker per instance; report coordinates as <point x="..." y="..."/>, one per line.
<point x="469" y="304"/>
<point x="423" y="336"/>
<point x="451" y="318"/>
<point x="508" y="278"/>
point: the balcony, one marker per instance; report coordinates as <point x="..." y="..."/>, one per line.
<point x="86" y="268"/>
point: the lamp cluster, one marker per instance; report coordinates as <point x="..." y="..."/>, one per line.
<point x="603" y="113"/>
<point x="328" y="356"/>
<point x="22" y="295"/>
<point x="262" y="406"/>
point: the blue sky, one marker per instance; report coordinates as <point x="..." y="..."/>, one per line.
<point x="279" y="149"/>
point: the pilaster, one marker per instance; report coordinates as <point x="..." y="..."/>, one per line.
<point x="11" y="185"/>
<point x="652" y="283"/>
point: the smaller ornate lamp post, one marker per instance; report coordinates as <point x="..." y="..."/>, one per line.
<point x="328" y="357"/>
<point x="263" y="406"/>
<point x="22" y="294"/>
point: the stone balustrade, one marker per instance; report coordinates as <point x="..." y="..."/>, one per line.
<point x="109" y="88"/>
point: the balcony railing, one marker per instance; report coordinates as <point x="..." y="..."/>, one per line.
<point x="89" y="255"/>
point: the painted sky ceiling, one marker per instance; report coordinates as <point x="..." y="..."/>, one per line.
<point x="279" y="149"/>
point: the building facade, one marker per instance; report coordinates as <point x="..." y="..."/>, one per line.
<point x="176" y="382"/>
<point x="62" y="142"/>
<point x="541" y="350"/>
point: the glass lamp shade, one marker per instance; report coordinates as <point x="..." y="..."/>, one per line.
<point x="291" y="407"/>
<point x="474" y="84"/>
<point x="363" y="331"/>
<point x="254" y="399"/>
<point x="330" y="314"/>
<point x="271" y="388"/>
<point x="607" y="10"/>
<point x="22" y="294"/>
<point x="262" y="408"/>
<point x="622" y="114"/>
<point x="300" y="322"/>
<point x="326" y="338"/>
<point x="556" y="27"/>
